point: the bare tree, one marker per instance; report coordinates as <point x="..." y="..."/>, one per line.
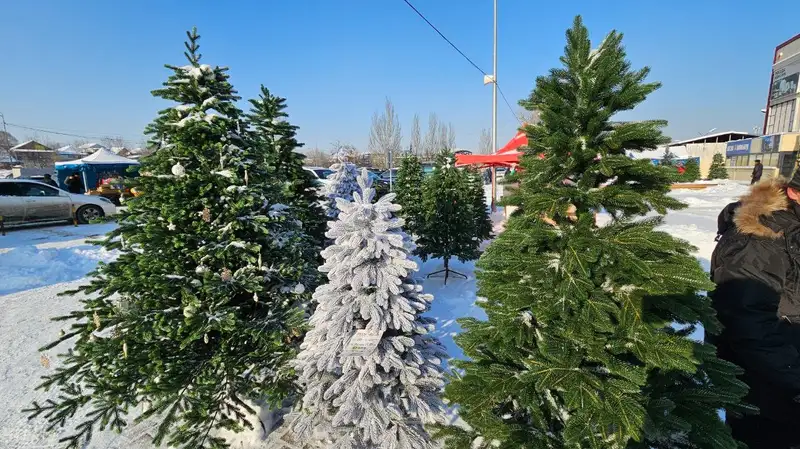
<point x="451" y="136"/>
<point x="416" y="136"/>
<point x="6" y="142"/>
<point x="528" y="117"/>
<point x="318" y="158"/>
<point x="485" y="143"/>
<point x="113" y="142"/>
<point x="430" y="145"/>
<point x="385" y="137"/>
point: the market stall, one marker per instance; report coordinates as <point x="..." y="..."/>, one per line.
<point x="101" y="173"/>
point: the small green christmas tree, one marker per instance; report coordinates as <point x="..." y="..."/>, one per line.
<point x="276" y="137"/>
<point x="692" y="170"/>
<point x="718" y="169"/>
<point x="480" y="212"/>
<point x="448" y="228"/>
<point x="409" y="193"/>
<point x="202" y="309"/>
<point x="579" y="350"/>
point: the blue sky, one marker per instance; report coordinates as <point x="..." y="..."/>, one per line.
<point x="87" y="67"/>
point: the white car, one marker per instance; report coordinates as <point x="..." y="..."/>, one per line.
<point x="320" y="174"/>
<point x="24" y="201"/>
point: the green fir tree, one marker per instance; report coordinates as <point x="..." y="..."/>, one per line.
<point x="277" y="139"/>
<point x="200" y="312"/>
<point x="448" y="226"/>
<point x="409" y="193"/>
<point x="480" y="211"/>
<point x="692" y="170"/>
<point x="718" y="169"/>
<point x="579" y="349"/>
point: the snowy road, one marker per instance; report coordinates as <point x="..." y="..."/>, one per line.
<point x="47" y="257"/>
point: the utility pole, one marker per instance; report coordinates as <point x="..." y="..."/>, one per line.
<point x="5" y="130"/>
<point x="494" y="109"/>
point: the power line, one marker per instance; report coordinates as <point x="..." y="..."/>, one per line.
<point x="509" y="105"/>
<point x="444" y="37"/>
<point x="61" y="133"/>
<point x="407" y="2"/>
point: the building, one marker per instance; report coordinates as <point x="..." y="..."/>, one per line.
<point x="779" y="146"/>
<point x="782" y="102"/>
<point x="778" y="153"/>
<point x="32" y="154"/>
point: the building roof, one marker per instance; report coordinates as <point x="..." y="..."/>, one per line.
<point x="67" y="149"/>
<point x="99" y="157"/>
<point x="30" y="145"/>
<point x="724" y="136"/>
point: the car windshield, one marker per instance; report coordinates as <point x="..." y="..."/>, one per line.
<point x="323" y="173"/>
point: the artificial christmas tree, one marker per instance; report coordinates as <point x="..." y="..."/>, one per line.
<point x="409" y="193"/>
<point x="341" y="183"/>
<point x="692" y="170"/>
<point x="201" y="310"/>
<point x="580" y="348"/>
<point x="276" y="137"/>
<point x="480" y="212"/>
<point x="448" y="226"/>
<point x="369" y="366"/>
<point x="717" y="169"/>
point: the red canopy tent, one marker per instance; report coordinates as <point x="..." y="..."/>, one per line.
<point x="508" y="156"/>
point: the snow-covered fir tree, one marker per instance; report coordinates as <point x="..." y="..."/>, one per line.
<point x="718" y="169"/>
<point x="202" y="308"/>
<point x="580" y="348"/>
<point x="276" y="137"/>
<point x="448" y="227"/>
<point x="409" y="192"/>
<point x="342" y="183"/>
<point x="369" y="366"/>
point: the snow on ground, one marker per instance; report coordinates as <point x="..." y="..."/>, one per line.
<point x="36" y="257"/>
<point x="42" y="257"/>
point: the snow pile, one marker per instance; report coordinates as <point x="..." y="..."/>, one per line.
<point x="31" y="258"/>
<point x="30" y="267"/>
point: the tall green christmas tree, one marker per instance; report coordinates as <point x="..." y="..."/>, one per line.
<point x="409" y="192"/>
<point x="580" y="349"/>
<point x="717" y="169"/>
<point x="448" y="227"/>
<point x="276" y="137"/>
<point x="201" y="310"/>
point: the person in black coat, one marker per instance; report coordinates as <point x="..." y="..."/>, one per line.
<point x="74" y="183"/>
<point x="48" y="179"/>
<point x="756" y="266"/>
<point x="758" y="170"/>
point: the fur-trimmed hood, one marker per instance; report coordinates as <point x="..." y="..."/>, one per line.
<point x="763" y="200"/>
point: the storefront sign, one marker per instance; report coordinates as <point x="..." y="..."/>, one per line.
<point x="784" y="81"/>
<point x="770" y="144"/>
<point x="738" y="148"/>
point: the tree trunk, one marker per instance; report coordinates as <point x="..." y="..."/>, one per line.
<point x="446" y="269"/>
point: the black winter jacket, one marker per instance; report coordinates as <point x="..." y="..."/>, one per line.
<point x="756" y="266"/>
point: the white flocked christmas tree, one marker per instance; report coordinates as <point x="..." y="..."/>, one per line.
<point x="369" y="367"/>
<point x="342" y="183"/>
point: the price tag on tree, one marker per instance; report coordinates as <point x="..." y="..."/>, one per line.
<point x="362" y="343"/>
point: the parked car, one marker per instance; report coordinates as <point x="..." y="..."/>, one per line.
<point x="389" y="174"/>
<point x="24" y="201"/>
<point x="320" y="174"/>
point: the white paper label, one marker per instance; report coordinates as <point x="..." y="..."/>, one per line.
<point x="362" y="343"/>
